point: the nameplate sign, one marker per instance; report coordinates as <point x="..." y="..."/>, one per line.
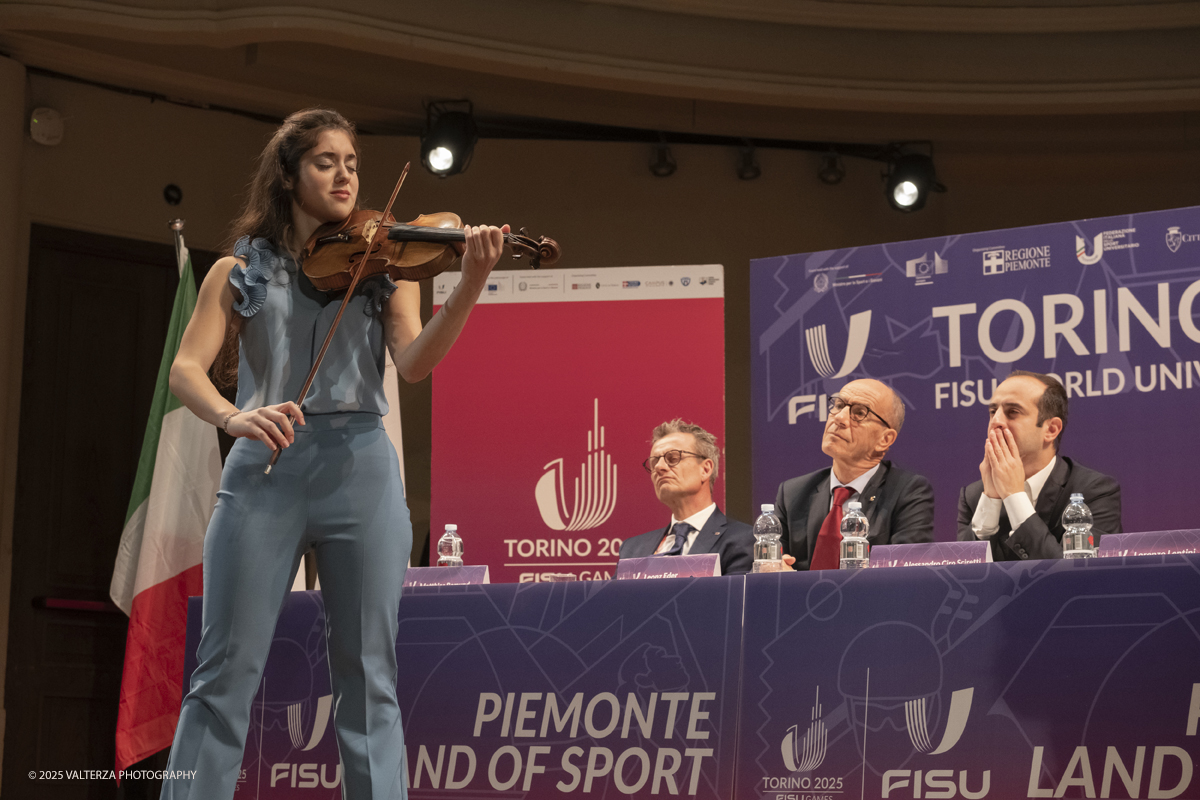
<point x="930" y="554"/>
<point x="1150" y="543"/>
<point x="446" y="576"/>
<point x="702" y="565"/>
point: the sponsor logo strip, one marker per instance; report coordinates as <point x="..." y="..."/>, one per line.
<point x="610" y="283"/>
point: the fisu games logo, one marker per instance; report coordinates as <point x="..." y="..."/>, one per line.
<point x="856" y="346"/>
<point x="804" y="750"/>
<point x="805" y="753"/>
<point x="308" y="775"/>
<point x="818" y="354"/>
<point x="917" y="722"/>
<point x="595" y="488"/>
<point x="296" y="723"/>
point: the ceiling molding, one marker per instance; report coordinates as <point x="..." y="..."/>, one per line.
<point x="183" y="87"/>
<point x="948" y="17"/>
<point x="1039" y="76"/>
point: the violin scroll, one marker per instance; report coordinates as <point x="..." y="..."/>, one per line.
<point x="540" y="250"/>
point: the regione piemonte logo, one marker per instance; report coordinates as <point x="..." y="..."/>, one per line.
<point x="595" y="488"/>
<point x="856" y="345"/>
<point x="805" y="753"/>
<point x="956" y="722"/>
<point x="296" y="723"/>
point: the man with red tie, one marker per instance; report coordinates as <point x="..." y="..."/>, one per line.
<point x="865" y="418"/>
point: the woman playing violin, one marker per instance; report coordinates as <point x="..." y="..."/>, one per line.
<point x="336" y="490"/>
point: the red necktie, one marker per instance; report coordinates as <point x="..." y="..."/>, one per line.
<point x="827" y="554"/>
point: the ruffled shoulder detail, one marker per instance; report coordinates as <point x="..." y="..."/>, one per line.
<point x="378" y="290"/>
<point x="262" y="262"/>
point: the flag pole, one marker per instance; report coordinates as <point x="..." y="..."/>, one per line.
<point x="176" y="226"/>
<point x="159" y="563"/>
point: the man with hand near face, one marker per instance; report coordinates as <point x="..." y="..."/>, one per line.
<point x="683" y="467"/>
<point x="864" y="420"/>
<point x="1025" y="484"/>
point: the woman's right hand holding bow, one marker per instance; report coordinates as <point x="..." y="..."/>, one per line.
<point x="271" y="425"/>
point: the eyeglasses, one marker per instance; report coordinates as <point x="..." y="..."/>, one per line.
<point x="858" y="411"/>
<point x="672" y="457"/>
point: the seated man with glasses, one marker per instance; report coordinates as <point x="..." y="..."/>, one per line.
<point x="683" y="467"/>
<point x="864" y="420"/>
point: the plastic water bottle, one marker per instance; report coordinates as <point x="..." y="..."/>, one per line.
<point x="1077" y="536"/>
<point x="768" y="552"/>
<point x="856" y="553"/>
<point x="450" y="548"/>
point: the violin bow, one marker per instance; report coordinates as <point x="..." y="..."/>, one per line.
<point x="357" y="273"/>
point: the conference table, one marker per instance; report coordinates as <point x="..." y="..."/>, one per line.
<point x="999" y="680"/>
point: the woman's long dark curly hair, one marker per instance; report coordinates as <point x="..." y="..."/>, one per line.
<point x="267" y="212"/>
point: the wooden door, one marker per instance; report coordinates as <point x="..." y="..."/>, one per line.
<point x="96" y="319"/>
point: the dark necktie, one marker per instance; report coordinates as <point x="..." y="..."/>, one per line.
<point x="827" y="554"/>
<point x="681" y="531"/>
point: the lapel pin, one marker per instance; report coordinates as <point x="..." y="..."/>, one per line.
<point x="872" y="499"/>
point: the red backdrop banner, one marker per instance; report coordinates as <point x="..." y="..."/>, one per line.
<point x="542" y="412"/>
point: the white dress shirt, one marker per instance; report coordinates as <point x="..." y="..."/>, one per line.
<point x="697" y="521"/>
<point x="858" y="484"/>
<point x="1019" y="506"/>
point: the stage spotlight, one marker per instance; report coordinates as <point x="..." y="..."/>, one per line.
<point x="910" y="179"/>
<point x="662" y="164"/>
<point x="748" y="168"/>
<point x="832" y="171"/>
<point x="448" y="142"/>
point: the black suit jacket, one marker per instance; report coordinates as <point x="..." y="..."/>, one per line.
<point x="1040" y="536"/>
<point x="898" y="505"/>
<point x="730" y="539"/>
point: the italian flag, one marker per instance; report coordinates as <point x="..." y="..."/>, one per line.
<point x="159" y="561"/>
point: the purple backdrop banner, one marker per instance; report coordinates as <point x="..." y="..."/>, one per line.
<point x="532" y="690"/>
<point x="1020" y="679"/>
<point x="1026" y="679"/>
<point x="1107" y="305"/>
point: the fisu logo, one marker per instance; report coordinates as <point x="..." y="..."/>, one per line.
<point x="956" y="722"/>
<point x="296" y="723"/>
<point x="856" y="345"/>
<point x="1097" y="249"/>
<point x="595" y="488"/>
<point x="804" y="754"/>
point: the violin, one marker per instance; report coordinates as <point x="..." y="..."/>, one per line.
<point x="340" y="254"/>
<point x="411" y="252"/>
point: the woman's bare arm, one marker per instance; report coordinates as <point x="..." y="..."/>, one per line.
<point x="417" y="351"/>
<point x="202" y="340"/>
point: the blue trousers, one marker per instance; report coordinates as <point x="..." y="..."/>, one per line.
<point x="336" y="489"/>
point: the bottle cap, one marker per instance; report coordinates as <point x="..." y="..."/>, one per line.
<point x="854" y="505"/>
<point x="450" y="526"/>
<point x="768" y="508"/>
<point x="1076" y="497"/>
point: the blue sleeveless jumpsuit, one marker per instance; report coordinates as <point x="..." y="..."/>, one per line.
<point x="337" y="489"/>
